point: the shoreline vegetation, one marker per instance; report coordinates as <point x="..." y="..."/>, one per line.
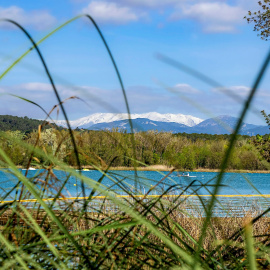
<point x="167" y="169"/>
<point x="157" y="168"/>
<point x="151" y="150"/>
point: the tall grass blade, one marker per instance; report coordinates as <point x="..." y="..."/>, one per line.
<point x="249" y="245"/>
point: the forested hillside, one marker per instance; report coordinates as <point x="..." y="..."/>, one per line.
<point x="101" y="148"/>
<point x="23" y="124"/>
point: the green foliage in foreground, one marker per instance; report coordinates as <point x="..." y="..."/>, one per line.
<point x="183" y="151"/>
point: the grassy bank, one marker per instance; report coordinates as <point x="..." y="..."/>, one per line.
<point x="113" y="237"/>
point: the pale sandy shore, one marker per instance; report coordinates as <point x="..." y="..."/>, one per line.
<point x="167" y="168"/>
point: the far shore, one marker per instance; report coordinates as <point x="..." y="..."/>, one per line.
<point x="167" y="168"/>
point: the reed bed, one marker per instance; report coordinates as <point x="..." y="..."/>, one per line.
<point x="128" y="240"/>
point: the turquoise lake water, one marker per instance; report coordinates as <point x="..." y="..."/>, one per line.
<point x="201" y="183"/>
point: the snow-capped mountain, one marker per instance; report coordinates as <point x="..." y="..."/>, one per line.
<point x="97" y="118"/>
<point x="175" y="123"/>
<point x="143" y="124"/>
<point x="223" y="124"/>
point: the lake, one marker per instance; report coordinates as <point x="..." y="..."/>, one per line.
<point x="201" y="183"/>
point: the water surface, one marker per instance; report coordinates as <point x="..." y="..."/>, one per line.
<point x="123" y="182"/>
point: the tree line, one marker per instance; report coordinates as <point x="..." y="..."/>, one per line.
<point x="24" y="124"/>
<point x="117" y="148"/>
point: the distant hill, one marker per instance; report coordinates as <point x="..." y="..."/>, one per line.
<point x="223" y="124"/>
<point x="175" y="123"/>
<point x="142" y="124"/>
<point x="98" y="118"/>
<point x="24" y="124"/>
<point x="261" y="130"/>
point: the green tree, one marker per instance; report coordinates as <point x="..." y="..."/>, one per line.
<point x="261" y="19"/>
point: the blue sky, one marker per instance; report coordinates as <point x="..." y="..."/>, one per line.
<point x="210" y="36"/>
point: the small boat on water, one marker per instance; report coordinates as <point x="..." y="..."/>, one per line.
<point x="30" y="169"/>
<point x="83" y="170"/>
<point x="186" y="174"/>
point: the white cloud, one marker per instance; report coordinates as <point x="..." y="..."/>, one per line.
<point x="38" y="19"/>
<point x="185" y="88"/>
<point x="140" y="3"/>
<point x="213" y="16"/>
<point x="36" y="86"/>
<point x="141" y="99"/>
<point x="239" y="90"/>
<point x="150" y="3"/>
<point x="106" y="12"/>
<point x="33" y="89"/>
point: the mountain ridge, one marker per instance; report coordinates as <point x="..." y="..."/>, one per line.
<point x="142" y="124"/>
<point x="97" y="118"/>
<point x="223" y="124"/>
